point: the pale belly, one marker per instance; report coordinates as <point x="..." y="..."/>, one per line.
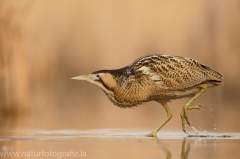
<point x="182" y="94"/>
<point x="185" y="93"/>
<point x="133" y="99"/>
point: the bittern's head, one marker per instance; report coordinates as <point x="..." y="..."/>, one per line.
<point x="103" y="79"/>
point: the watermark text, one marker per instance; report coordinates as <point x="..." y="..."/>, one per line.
<point x="43" y="153"/>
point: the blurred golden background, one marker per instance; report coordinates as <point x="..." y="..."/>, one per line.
<point x="45" y="43"/>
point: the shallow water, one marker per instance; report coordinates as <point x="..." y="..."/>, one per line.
<point x="61" y="134"/>
<point x="116" y="143"/>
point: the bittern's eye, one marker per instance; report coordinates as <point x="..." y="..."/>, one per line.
<point x="97" y="77"/>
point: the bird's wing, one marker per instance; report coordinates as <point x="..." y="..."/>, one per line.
<point x="174" y="72"/>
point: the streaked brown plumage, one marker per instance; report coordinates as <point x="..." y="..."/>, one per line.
<point x="156" y="77"/>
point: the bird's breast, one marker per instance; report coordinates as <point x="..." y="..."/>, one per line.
<point x="130" y="95"/>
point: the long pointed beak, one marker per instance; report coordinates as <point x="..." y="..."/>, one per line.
<point x="83" y="77"/>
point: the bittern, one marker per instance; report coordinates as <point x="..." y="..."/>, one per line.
<point x="159" y="78"/>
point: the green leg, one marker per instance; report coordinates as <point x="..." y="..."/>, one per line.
<point x="169" y="116"/>
<point x="184" y="113"/>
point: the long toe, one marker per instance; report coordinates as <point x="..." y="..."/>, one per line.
<point x="184" y="129"/>
<point x="152" y="134"/>
<point x="194" y="130"/>
<point x="196" y="107"/>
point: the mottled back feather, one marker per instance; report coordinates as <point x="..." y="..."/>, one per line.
<point x="175" y="72"/>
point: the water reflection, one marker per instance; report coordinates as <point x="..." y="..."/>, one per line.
<point x="110" y="143"/>
<point x="212" y="146"/>
<point x="185" y="149"/>
<point x="163" y="147"/>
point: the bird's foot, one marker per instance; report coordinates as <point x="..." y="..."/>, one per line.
<point x="192" y="128"/>
<point x="152" y="134"/>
